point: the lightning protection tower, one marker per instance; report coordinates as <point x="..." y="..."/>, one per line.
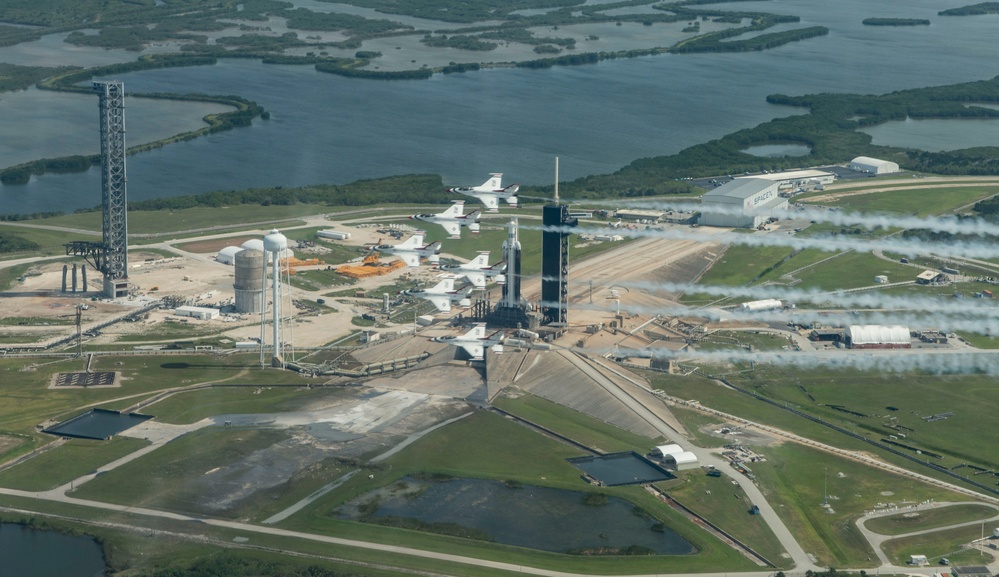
<point x="555" y="260"/>
<point x="110" y="256"/>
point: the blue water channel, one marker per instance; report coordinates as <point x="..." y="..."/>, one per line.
<point x="596" y="118"/>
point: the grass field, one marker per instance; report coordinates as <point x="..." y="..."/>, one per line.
<point x="797" y="479"/>
<point x="582" y="428"/>
<point x="929" y="519"/>
<point x="70" y="461"/>
<point x="726" y="505"/>
<point x="949" y="543"/>
<point x="917" y="202"/>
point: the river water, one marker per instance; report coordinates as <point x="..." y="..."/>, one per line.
<point x="596" y="118"/>
<point x="25" y="552"/>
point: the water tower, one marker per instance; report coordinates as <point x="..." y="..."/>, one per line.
<point x="276" y="244"/>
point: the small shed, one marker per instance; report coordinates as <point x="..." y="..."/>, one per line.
<point x="918" y="560"/>
<point x="881" y="279"/>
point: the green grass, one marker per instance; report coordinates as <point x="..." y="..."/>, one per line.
<point x="795" y="479"/>
<point x="578" y="426"/>
<point x="758" y="341"/>
<point x="917" y="202"/>
<point x="947" y="543"/>
<point x="903" y="523"/>
<point x="192" y="406"/>
<point x="67" y="462"/>
<point x="319" y="280"/>
<point x="852" y="270"/>
<point x="727" y="506"/>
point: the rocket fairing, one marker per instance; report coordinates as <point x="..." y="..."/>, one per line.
<point x="511" y="253"/>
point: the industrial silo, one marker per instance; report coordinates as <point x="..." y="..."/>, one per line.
<point x="249" y="265"/>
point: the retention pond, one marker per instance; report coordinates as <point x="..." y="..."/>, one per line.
<point x="522" y="515"/>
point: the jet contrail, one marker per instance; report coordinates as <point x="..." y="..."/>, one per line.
<point x="872" y="299"/>
<point x="937" y="362"/>
<point x="915" y="319"/>
<point x="968" y="249"/>
<point x="950" y="224"/>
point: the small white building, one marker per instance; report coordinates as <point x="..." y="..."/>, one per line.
<point x="682" y="461"/>
<point x="762" y="305"/>
<point x="663" y="451"/>
<point x="333" y="235"/>
<point x="873" y="165"/>
<point x="742" y="203"/>
<point x="228" y="255"/>
<point x="918" y="560"/>
<point x="881" y="279"/>
<point x="201" y="313"/>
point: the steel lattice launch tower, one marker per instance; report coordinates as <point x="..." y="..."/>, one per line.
<point x="114" y="260"/>
<point x="511" y="253"/>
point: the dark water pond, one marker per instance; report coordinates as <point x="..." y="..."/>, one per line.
<point x="97" y="424"/>
<point x="526" y="516"/>
<point x="621" y="469"/>
<point x="35" y="553"/>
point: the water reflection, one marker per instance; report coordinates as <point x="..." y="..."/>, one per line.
<point x="936" y="135"/>
<point x="522" y="515"/>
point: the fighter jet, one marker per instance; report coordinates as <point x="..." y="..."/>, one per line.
<point x="475" y="342"/>
<point x="443" y="294"/>
<point x="452" y="219"/>
<point x="490" y="192"/>
<point x="478" y="271"/>
<point x="412" y="250"/>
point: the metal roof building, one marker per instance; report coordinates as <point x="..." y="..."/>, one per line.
<point x="666" y="450"/>
<point x="878" y="337"/>
<point x="873" y="165"/>
<point x="742" y="203"/>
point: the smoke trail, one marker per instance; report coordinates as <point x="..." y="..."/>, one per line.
<point x="871" y="299"/>
<point x="933" y="361"/>
<point x="950" y="224"/>
<point x="918" y="319"/>
<point x="967" y="249"/>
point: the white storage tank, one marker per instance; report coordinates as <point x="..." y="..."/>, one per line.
<point x="248" y="282"/>
<point x="333" y="234"/>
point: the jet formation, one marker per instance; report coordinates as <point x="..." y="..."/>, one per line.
<point x="412" y="250"/>
<point x="452" y="219"/>
<point x="475" y="342"/>
<point x="478" y="271"/>
<point x="443" y="295"/>
<point x="490" y="192"/>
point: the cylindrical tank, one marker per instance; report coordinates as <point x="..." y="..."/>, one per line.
<point x="249" y="279"/>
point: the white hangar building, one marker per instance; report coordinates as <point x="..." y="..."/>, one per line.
<point x="878" y="337"/>
<point x="873" y="165"/>
<point x="742" y="203"/>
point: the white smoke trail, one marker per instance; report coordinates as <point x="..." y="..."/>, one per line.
<point x="933" y="361"/>
<point x="870" y="299"/>
<point x="949" y="224"/>
<point x="967" y="249"/>
<point x="917" y="320"/>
